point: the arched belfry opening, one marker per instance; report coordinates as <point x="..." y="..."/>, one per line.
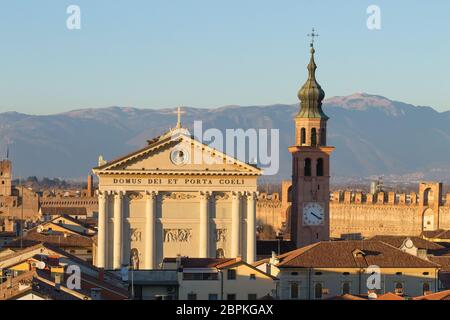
<point x="313" y="137"/>
<point x="307" y="167"/>
<point x="319" y="167"/>
<point x="302" y="136"/>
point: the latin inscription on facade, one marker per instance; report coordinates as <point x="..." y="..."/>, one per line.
<point x="177" y="181"/>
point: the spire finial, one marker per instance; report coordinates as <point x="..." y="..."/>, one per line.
<point x="313" y="35"/>
<point x="311" y="94"/>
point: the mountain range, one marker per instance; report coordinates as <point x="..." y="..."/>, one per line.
<point x="372" y="135"/>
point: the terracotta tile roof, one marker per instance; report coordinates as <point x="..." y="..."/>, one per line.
<point x="76" y="221"/>
<point x="30" y="248"/>
<point x="260" y="262"/>
<point x="112" y="287"/>
<point x="214" y="263"/>
<point x="76" y="211"/>
<point x="443" y="295"/>
<point x="439" y="234"/>
<point x="229" y="263"/>
<point x="351" y="254"/>
<point x="443" y="261"/>
<point x="59" y="239"/>
<point x="347" y="297"/>
<point x="397" y="242"/>
<point x="199" y="262"/>
<point x="390" y="296"/>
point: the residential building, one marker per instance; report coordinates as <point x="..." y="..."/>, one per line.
<point x="221" y="279"/>
<point x="333" y="268"/>
<point x="47" y="272"/>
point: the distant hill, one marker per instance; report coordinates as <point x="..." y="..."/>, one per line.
<point x="372" y="135"/>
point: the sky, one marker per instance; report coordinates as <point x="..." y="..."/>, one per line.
<point x="206" y="53"/>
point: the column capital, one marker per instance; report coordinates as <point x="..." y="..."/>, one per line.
<point x="205" y="195"/>
<point x="151" y="194"/>
<point x="117" y="194"/>
<point x="251" y="195"/>
<point x="102" y="194"/>
<point x="236" y="195"/>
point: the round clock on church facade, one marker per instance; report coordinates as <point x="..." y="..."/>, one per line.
<point x="313" y="214"/>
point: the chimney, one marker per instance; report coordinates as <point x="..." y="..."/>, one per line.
<point x="101" y="274"/>
<point x="90" y="186"/>
<point x="178" y="263"/>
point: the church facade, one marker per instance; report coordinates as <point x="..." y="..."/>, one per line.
<point x="175" y="197"/>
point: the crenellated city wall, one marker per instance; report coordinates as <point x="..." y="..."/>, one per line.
<point x="355" y="215"/>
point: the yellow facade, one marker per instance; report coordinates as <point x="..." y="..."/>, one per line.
<point x="248" y="283"/>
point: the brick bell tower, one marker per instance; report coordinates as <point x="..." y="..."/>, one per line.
<point x="310" y="213"/>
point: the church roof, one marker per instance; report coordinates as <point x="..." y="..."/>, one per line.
<point x="169" y="140"/>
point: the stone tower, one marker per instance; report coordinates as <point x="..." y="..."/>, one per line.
<point x="430" y="199"/>
<point x="310" y="215"/>
<point x="5" y="178"/>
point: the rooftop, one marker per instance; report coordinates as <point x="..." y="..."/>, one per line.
<point x="351" y="254"/>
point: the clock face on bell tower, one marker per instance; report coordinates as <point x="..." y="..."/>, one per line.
<point x="313" y="214"/>
<point x="310" y="221"/>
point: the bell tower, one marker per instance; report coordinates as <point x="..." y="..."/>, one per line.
<point x="310" y="215"/>
<point x="5" y="177"/>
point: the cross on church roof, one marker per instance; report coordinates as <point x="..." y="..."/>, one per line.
<point x="179" y="113"/>
<point x="313" y="35"/>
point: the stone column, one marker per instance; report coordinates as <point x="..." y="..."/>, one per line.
<point x="204" y="226"/>
<point x="251" y="227"/>
<point x="150" y="230"/>
<point x="117" y="250"/>
<point x="235" y="225"/>
<point x="102" y="226"/>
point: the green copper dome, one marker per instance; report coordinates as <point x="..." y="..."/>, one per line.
<point x="311" y="94"/>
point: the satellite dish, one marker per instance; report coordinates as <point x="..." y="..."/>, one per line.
<point x="40" y="265"/>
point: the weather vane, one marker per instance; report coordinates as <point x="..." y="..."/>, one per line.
<point x="313" y="35"/>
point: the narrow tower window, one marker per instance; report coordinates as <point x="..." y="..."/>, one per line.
<point x="313" y="137"/>
<point x="302" y="136"/>
<point x="319" y="167"/>
<point x="307" y="167"/>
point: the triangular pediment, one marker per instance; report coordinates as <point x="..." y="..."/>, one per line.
<point x="182" y="154"/>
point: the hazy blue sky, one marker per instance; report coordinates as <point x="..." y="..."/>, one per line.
<point x="205" y="53"/>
